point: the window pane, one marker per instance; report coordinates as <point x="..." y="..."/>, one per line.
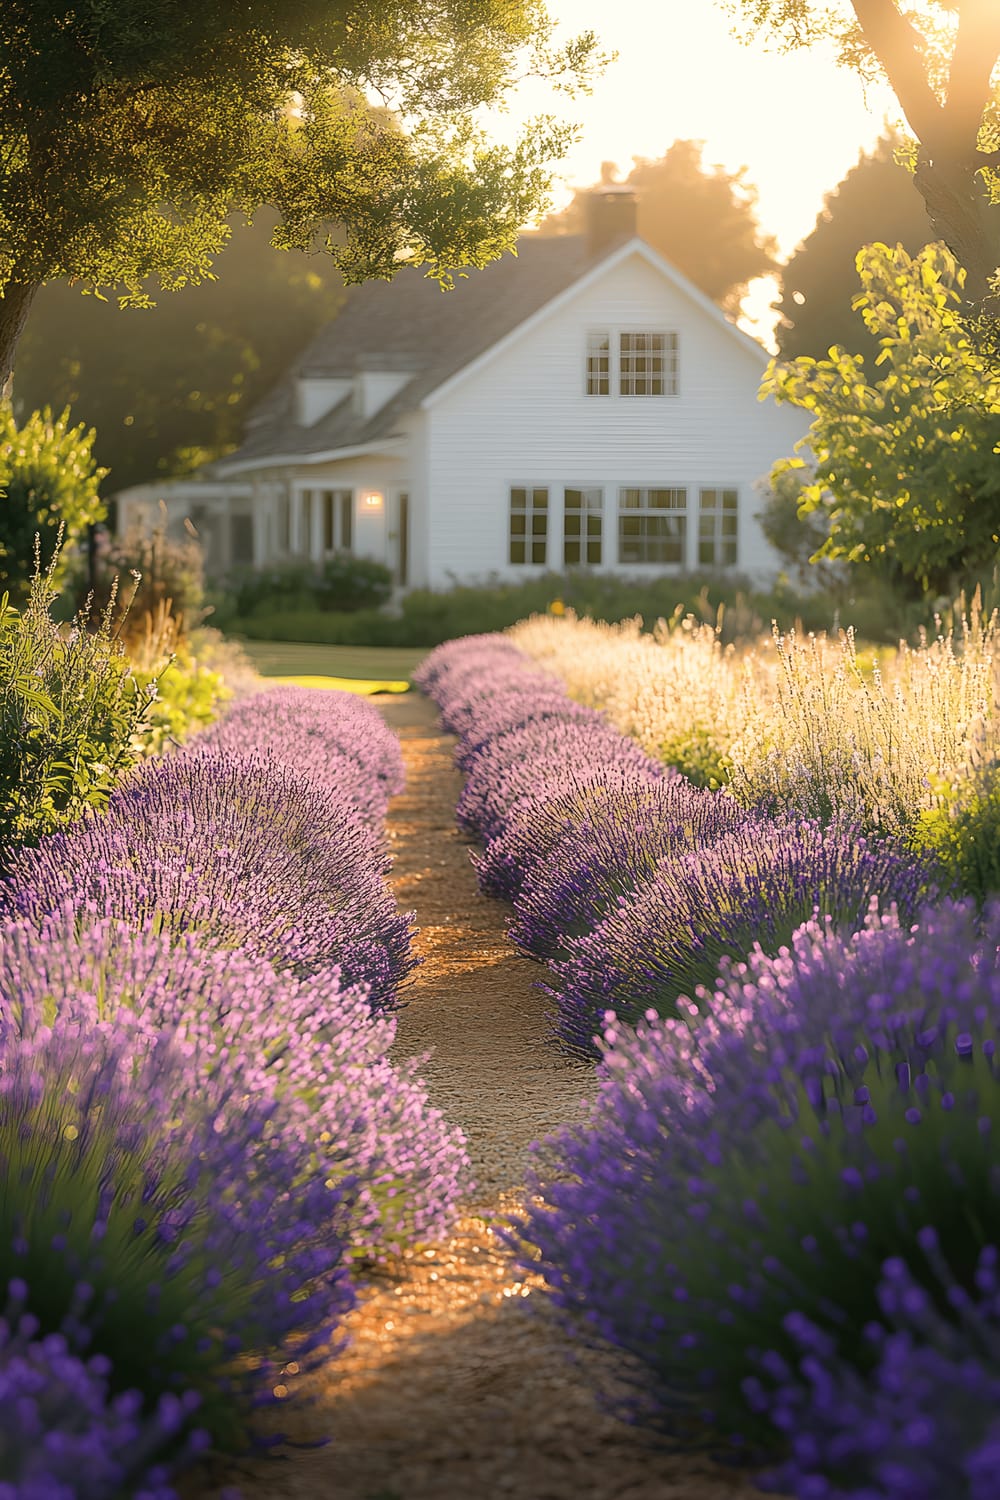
<point x="516" y="551"/>
<point x="571" y="525"/>
<point x="518" y="525"/>
<point x="538" y="552"/>
<point x="706" y="553"/>
<point x="631" y="499"/>
<point x="518" y="499"/>
<point x="730" y="500"/>
<point x="708" y="499"/>
<point x="594" y="552"/>
<point x="573" y="499"/>
<point x="729" y="524"/>
<point x="539" y="524"/>
<point x="571" y="552"/>
<point x="328" y="542"/>
<point x="540" y="499"/>
<point x="346" y="519"/>
<point x="630" y="525"/>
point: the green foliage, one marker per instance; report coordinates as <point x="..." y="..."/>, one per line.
<point x="188" y="698"/>
<point x="876" y="201"/>
<point x="344" y="584"/>
<point x="130" y="134"/>
<point x="48" y="488"/>
<point x="697" y="755"/>
<point x="905" y="468"/>
<point x="703" y="220"/>
<point x="73" y="717"/>
<point x="169" y="387"/>
<point x="962" y="831"/>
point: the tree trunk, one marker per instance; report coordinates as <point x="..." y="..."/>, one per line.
<point x="962" y="215"/>
<point x="14" y="307"/>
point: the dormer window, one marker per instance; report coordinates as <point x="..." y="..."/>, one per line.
<point x="631" y="362"/>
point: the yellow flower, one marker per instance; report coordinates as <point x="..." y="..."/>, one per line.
<point x="557" y="607"/>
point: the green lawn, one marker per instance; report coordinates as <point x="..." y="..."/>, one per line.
<point x="294" y="659"/>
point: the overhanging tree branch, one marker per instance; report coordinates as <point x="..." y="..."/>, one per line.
<point x="899" y="47"/>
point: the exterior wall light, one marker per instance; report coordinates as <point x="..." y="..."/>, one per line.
<point x="373" y="500"/>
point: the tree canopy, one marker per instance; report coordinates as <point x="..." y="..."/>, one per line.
<point x="702" y="219"/>
<point x="874" y="202"/>
<point x="129" y="133"/>
<point x="904" y="467"/>
<point x="169" y="387"/>
<point x="940" y="58"/>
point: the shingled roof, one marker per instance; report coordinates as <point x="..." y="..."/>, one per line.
<point x="408" y="324"/>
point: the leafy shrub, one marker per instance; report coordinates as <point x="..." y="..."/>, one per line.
<point x="755" y="885"/>
<point x="144" y="1205"/>
<point x="763" y="1157"/>
<point x="349" y="583"/>
<point x="188" y="699"/>
<point x="314" y="1046"/>
<point x="48" y="487"/>
<point x="343" y="584"/>
<point x="962" y="832"/>
<point x="73" y="716"/>
<point x="241" y="850"/>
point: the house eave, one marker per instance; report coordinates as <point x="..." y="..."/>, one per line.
<point x="383" y="448"/>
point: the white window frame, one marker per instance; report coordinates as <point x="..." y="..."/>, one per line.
<point x="716" y="513"/>
<point x="644" y="511"/>
<point x="532" y="537"/>
<point x="336" y="509"/>
<point x="588" y="538"/>
<point x="606" y="372"/>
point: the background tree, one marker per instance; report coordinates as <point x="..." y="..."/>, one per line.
<point x="702" y="219"/>
<point x="940" y="58"/>
<point x="904" y="467"/>
<point x="875" y="202"/>
<point x="48" y="480"/>
<point x="168" y="387"/>
<point x="129" y="133"/>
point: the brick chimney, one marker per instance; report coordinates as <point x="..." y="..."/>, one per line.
<point x="610" y="217"/>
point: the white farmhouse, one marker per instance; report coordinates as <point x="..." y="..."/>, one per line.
<point x="582" y="404"/>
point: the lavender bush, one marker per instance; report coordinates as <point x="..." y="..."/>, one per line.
<point x="136" y="1203"/>
<point x="516" y="765"/>
<point x="754" y="885"/>
<point x="611" y="846"/>
<point x="337" y="739"/>
<point x="241" y="850"/>
<point x="313" y="1045"/>
<point x="512" y="708"/>
<point x="756" y="1163"/>
<point x="922" y="1425"/>
<point x="64" y="1437"/>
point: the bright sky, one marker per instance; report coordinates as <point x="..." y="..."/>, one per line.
<point x="796" y="121"/>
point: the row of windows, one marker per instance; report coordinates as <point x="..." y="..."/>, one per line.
<point x="652" y="525"/>
<point x="335" y="512"/>
<point x="636" y="364"/>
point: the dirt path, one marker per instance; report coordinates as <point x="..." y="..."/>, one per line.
<point x="451" y="1390"/>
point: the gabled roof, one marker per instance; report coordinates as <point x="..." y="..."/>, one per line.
<point x="410" y="324"/>
<point x="407" y="323"/>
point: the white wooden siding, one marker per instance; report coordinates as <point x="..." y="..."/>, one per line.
<point x="523" y="419"/>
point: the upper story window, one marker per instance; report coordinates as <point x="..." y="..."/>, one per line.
<point x="529" y="525"/>
<point x="631" y="362"/>
<point x="598" y="364"/>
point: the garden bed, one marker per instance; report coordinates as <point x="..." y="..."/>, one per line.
<point x="450" y="1389"/>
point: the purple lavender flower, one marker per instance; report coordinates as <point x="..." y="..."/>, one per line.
<point x="518" y="764"/>
<point x="513" y="708"/>
<point x="313" y="1045"/>
<point x="921" y="1424"/>
<point x="464" y="653"/>
<point x="336" y="738"/>
<point x="242" y="851"/>
<point x="134" y="1202"/>
<point x="63" y="1436"/>
<point x="749" y="1168"/>
<point x="598" y="848"/>
<point x="755" y="884"/>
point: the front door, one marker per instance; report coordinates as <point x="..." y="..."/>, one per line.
<point x="399" y="538"/>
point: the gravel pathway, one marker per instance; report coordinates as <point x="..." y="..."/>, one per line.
<point x="451" y="1389"/>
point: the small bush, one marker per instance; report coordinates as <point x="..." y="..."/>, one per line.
<point x="170" y="585"/>
<point x="806" y="1120"/>
<point x="962" y="832"/>
<point x="48" y="495"/>
<point x="73" y="716"/>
